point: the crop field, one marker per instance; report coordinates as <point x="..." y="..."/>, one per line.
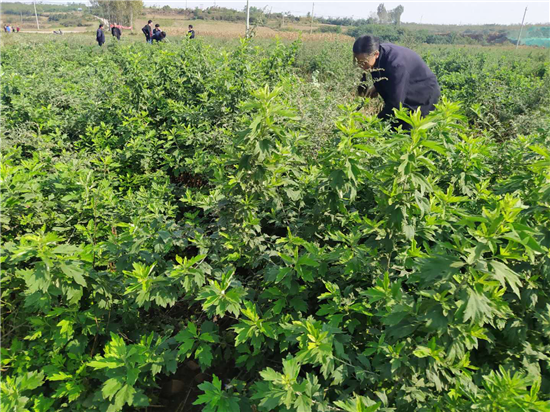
<point x="212" y="224"/>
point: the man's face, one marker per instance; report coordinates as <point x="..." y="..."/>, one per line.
<point x="366" y="61"/>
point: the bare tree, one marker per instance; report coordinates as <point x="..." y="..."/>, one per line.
<point x="382" y="14"/>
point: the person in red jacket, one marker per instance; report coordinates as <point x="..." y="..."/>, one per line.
<point x="115" y="31"/>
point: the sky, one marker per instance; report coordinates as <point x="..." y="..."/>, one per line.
<point x="428" y="11"/>
<point x="433" y="11"/>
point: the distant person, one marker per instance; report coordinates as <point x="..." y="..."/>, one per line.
<point x="5" y="28"/>
<point x="100" y="35"/>
<point x="191" y="32"/>
<point x="156" y="29"/>
<point x="17" y="29"/>
<point x="8" y="28"/>
<point x="400" y="77"/>
<point x="116" y="32"/>
<point x="159" y="36"/>
<point x="148" y="32"/>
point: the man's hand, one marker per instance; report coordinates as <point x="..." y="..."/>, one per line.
<point x="371" y="92"/>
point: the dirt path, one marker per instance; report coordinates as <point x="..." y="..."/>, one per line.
<point x="50" y="31"/>
<point x="101" y="19"/>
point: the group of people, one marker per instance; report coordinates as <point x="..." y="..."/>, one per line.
<point x="115" y="31"/>
<point x="157" y="34"/>
<point x="153" y="33"/>
<point x="9" y="29"/>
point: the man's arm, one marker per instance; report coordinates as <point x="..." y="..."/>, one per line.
<point x="364" y="91"/>
<point x="398" y="78"/>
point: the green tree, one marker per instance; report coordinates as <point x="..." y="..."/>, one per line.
<point x="395" y="14"/>
<point x="382" y="13"/>
<point x="118" y="11"/>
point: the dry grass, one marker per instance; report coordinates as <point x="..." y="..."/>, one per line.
<point x="176" y="25"/>
<point x="225" y="29"/>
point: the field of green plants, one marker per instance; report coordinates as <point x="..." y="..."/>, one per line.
<point x="203" y="225"/>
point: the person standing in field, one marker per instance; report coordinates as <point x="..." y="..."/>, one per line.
<point x="100" y="35"/>
<point x="400" y="77"/>
<point x="191" y="32"/>
<point x="17" y="29"/>
<point x="8" y="28"/>
<point x="116" y="32"/>
<point x="147" y="30"/>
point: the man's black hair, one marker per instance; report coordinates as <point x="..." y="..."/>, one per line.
<point x="366" y="44"/>
<point x="190" y="26"/>
<point x="101" y="25"/>
<point x="157" y="25"/>
<point x="150" y="21"/>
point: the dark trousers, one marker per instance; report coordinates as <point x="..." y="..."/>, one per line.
<point x="424" y="110"/>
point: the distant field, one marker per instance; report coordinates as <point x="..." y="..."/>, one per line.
<point x="176" y="25"/>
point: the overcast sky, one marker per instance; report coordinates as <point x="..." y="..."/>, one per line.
<point x="435" y="12"/>
<point x="431" y="11"/>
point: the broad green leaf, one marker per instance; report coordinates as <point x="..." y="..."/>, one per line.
<point x="124" y="396"/>
<point x="111" y="387"/>
<point x="477" y="307"/>
<point x="505" y="275"/>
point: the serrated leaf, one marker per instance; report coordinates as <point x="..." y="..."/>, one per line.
<point x="307" y="261"/>
<point x="104" y="364"/>
<point x="477" y="307"/>
<point x="204" y="356"/>
<point x="505" y="275"/>
<point x="271" y="375"/>
<point x="124" y="396"/>
<point x="74" y="272"/>
<point x="111" y="387"/>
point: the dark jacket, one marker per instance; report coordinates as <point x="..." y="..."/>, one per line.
<point x="191" y="34"/>
<point x="115" y="31"/>
<point x="147" y="31"/>
<point x="100" y="36"/>
<point x="401" y="76"/>
<point x="158" y="36"/>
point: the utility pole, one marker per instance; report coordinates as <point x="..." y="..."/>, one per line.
<point x="520" y="30"/>
<point x="36" y="15"/>
<point x="247" y="17"/>
<point x="283" y="23"/>
<point x="311" y="26"/>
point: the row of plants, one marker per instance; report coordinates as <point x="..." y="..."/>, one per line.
<point x="211" y="204"/>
